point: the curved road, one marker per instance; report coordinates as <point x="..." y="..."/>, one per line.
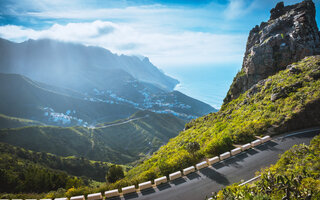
<point x="199" y="185"/>
<point x="119" y="123"/>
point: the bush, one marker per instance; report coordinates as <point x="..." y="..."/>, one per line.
<point x="193" y="147"/>
<point x="114" y="173"/>
<point x="218" y="145"/>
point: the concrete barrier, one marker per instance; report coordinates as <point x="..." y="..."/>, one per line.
<point x="160" y="180"/>
<point x="188" y="170"/>
<point x="224" y="155"/>
<point x="235" y="151"/>
<point x="94" y="196"/>
<point x="111" y="193"/>
<point x="256" y="143"/>
<point x="213" y="160"/>
<point x="175" y="175"/>
<point x="201" y="165"/>
<point x="245" y="146"/>
<point x="81" y="197"/>
<point x="145" y="185"/>
<point x="64" y="198"/>
<point x="265" y="139"/>
<point x="128" y="189"/>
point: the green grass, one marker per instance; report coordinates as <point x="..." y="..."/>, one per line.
<point x="237" y="122"/>
<point x="297" y="171"/>
<point x="121" y="144"/>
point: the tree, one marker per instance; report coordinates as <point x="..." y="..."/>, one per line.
<point x="114" y="173"/>
<point x="193" y="147"/>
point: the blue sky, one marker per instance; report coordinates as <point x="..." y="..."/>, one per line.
<point x="171" y="33"/>
<point x="200" y="42"/>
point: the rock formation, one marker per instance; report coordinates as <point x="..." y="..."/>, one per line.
<point x="290" y="35"/>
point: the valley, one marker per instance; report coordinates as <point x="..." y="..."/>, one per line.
<point x="79" y="119"/>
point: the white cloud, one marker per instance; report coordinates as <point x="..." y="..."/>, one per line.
<point x="164" y="49"/>
<point x="238" y="8"/>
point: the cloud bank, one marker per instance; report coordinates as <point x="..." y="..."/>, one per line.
<point x="174" y="49"/>
<point x="170" y="34"/>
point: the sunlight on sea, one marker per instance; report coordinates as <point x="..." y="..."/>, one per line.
<point x="207" y="84"/>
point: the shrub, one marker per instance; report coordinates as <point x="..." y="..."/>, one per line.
<point x="114" y="173"/>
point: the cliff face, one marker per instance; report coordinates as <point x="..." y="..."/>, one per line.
<point x="290" y="35"/>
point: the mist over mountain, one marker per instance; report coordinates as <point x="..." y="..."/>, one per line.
<point x="77" y="66"/>
<point x="69" y="84"/>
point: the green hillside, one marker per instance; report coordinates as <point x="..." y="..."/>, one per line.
<point x="21" y="171"/>
<point x="75" y="166"/>
<point x="21" y="97"/>
<point x="286" y="101"/>
<point x="120" y="143"/>
<point x="295" y="176"/>
<point x="14" y="122"/>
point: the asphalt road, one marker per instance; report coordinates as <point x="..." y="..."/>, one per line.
<point x="199" y="185"/>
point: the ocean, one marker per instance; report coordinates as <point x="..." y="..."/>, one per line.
<point x="207" y="84"/>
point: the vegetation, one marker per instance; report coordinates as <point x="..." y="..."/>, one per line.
<point x="19" y="175"/>
<point x="295" y="176"/>
<point x="193" y="147"/>
<point x="29" y="174"/>
<point x="121" y="144"/>
<point x="239" y="121"/>
<point x="76" y="166"/>
<point x="114" y="173"/>
<point x="13" y="122"/>
<point x="30" y="98"/>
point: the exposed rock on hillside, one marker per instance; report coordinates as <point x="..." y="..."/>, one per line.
<point x="290" y="35"/>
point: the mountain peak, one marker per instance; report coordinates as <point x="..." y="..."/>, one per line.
<point x="290" y="35"/>
<point x="146" y="60"/>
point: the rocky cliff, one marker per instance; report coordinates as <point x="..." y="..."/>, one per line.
<point x="290" y="34"/>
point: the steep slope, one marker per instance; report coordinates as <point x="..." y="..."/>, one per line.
<point x="95" y="74"/>
<point x="283" y="100"/>
<point x="24" y="98"/>
<point x="290" y="34"/>
<point x="256" y="112"/>
<point x="295" y="176"/>
<point x="123" y="142"/>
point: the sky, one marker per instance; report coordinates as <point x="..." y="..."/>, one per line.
<point x="176" y="34"/>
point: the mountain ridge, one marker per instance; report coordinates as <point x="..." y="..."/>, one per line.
<point x="94" y="74"/>
<point x="33" y="53"/>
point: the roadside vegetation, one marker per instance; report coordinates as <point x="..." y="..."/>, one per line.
<point x="274" y="105"/>
<point x="295" y="176"/>
<point x="254" y="113"/>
